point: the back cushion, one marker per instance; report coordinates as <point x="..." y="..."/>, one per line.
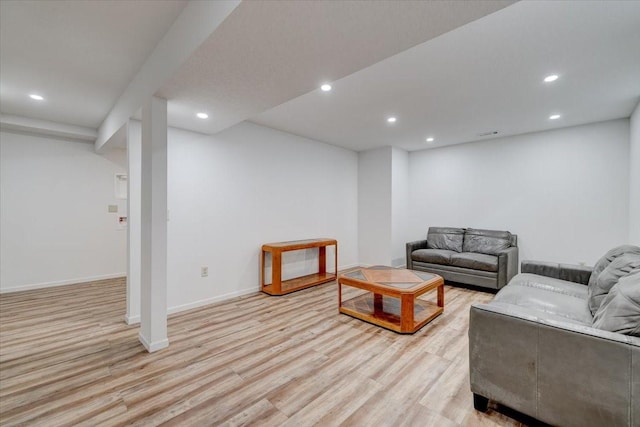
<point x="620" y="310"/>
<point x="619" y="267"/>
<point x="488" y="242"/>
<point x="445" y="238"/>
<point x="608" y="258"/>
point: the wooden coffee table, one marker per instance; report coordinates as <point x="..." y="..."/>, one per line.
<point x="392" y="298"/>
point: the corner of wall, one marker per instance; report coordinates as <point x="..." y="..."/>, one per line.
<point x="634" y="176"/>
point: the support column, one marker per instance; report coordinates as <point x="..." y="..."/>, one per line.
<point x="153" y="321"/>
<point x="134" y="223"/>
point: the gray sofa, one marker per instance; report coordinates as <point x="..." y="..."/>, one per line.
<point x="487" y="258"/>
<point x="561" y="343"/>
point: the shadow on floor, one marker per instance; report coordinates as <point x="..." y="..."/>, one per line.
<point x="471" y="287"/>
<point x="518" y="416"/>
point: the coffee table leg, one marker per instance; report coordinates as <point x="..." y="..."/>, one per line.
<point x="441" y="296"/>
<point x="377" y="302"/>
<point x="406" y="313"/>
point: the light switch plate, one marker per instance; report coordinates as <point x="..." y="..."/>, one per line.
<point x="113" y="208"/>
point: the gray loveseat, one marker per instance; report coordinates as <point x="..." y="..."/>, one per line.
<point x="487" y="258"/>
<point x="561" y="343"/>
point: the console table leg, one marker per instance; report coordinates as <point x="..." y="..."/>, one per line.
<point x="322" y="259"/>
<point x="262" y="258"/>
<point x="276" y="271"/>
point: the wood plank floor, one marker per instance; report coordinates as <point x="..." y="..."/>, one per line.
<point x="68" y="358"/>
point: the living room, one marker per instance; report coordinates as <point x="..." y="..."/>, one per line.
<point x="568" y="187"/>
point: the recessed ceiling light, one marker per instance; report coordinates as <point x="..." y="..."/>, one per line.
<point x="36" y="97"/>
<point x="551" y="78"/>
<point x="493" y="132"/>
<point x="430" y="139"/>
<point x="325" y="87"/>
<point x="554" y="116"/>
<point x="202" y="115"/>
<point x="391" y="120"/>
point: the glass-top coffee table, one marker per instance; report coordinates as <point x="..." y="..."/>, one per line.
<point x="392" y="298"/>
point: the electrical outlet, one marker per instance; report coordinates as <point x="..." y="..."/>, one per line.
<point x="204" y="271"/>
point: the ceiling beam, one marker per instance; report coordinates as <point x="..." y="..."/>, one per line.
<point x="45" y="127"/>
<point x="194" y="25"/>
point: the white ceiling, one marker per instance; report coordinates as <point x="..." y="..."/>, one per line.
<point x="80" y="55"/>
<point x="268" y="52"/>
<point x="485" y="76"/>
<point x="449" y="69"/>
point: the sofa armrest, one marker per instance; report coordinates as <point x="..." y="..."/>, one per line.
<point x="535" y="366"/>
<point x="507" y="265"/>
<point x="413" y="246"/>
<point x="572" y="273"/>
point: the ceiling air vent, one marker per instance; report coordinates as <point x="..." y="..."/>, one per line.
<point x="493" y="132"/>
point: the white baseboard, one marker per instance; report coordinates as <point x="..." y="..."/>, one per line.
<point x="365" y="265"/>
<point x="348" y="266"/>
<point x="135" y="319"/>
<point x="399" y="262"/>
<point x="154" y="346"/>
<point x="219" y="298"/>
<point x="132" y="320"/>
<point x="75" y="281"/>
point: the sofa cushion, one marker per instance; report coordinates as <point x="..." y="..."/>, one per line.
<point x="619" y="267"/>
<point x="620" y="310"/>
<point x="488" y="242"/>
<point x="445" y="238"/>
<point x="547" y="298"/>
<point x="608" y="258"/>
<point x="475" y="261"/>
<point x="433" y="256"/>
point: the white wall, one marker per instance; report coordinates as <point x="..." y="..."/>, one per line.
<point x="55" y="227"/>
<point x="249" y="185"/>
<point x="634" y="178"/>
<point x="133" y="132"/>
<point x="374" y="206"/>
<point x="564" y="192"/>
<point x="400" y="234"/>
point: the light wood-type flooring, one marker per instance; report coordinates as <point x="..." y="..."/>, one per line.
<point x="68" y="358"/>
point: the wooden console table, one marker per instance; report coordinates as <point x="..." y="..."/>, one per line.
<point x="280" y="287"/>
